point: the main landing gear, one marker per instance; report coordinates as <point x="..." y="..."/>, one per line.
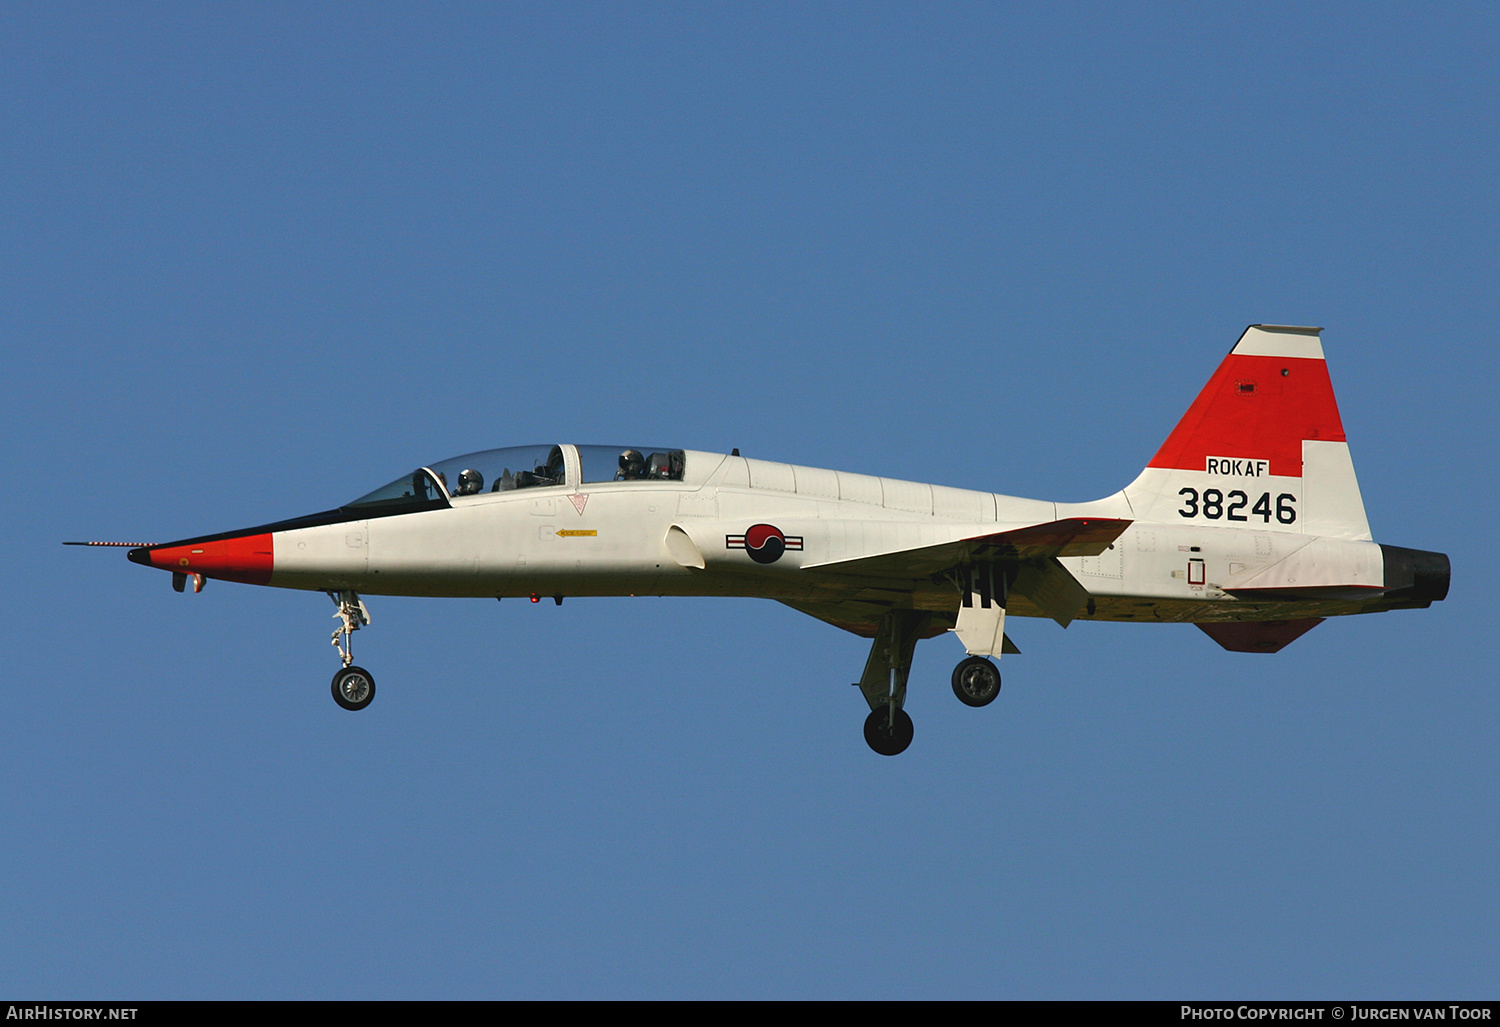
<point x="976" y="681"/>
<point x="888" y="728"/>
<point x="353" y="687"/>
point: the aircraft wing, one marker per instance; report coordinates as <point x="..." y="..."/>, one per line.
<point x="1041" y="578"/>
<point x="1074" y="536"/>
<point x="861" y="612"/>
<point x="861" y="616"/>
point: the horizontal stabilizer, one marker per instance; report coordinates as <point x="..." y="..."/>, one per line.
<point x="1259" y="636"/>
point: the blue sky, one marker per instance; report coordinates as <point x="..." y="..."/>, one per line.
<point x="259" y="259"/>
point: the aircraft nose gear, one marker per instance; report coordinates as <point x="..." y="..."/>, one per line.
<point x="353" y="688"/>
<point x="352" y="615"/>
<point x="976" y="681"/>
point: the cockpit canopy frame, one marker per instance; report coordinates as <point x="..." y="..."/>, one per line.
<point x="488" y="471"/>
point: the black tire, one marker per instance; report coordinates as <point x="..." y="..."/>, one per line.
<point x="353" y="688"/>
<point x="885" y="737"/>
<point x="976" y="681"/>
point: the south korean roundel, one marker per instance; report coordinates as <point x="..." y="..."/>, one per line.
<point x="764" y="542"/>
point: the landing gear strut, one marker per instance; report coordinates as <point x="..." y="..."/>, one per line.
<point x="888" y="729"/>
<point x="353" y="687"/>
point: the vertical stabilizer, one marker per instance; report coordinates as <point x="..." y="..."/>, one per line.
<point x="1262" y="446"/>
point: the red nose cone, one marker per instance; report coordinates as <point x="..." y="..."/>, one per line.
<point x="245" y="558"/>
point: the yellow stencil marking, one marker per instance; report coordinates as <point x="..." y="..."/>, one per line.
<point x="572" y="532"/>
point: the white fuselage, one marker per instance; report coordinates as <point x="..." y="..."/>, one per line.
<point x="677" y="538"/>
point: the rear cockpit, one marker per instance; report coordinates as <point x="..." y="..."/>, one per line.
<point x="628" y="463"/>
<point x="521" y="467"/>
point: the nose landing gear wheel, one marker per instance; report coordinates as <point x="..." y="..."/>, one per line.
<point x="888" y="734"/>
<point x="353" y="688"/>
<point x="976" y="681"/>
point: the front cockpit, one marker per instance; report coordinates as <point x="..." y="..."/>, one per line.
<point x="490" y="471"/>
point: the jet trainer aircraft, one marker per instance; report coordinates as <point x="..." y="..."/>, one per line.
<point x="1248" y="522"/>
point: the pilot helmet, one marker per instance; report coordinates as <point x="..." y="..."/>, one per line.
<point x="470" y="481"/>
<point x="632" y="464"/>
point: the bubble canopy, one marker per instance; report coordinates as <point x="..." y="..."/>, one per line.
<point x="519" y="467"/>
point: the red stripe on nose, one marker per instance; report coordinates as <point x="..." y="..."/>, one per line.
<point x="246" y="558"/>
